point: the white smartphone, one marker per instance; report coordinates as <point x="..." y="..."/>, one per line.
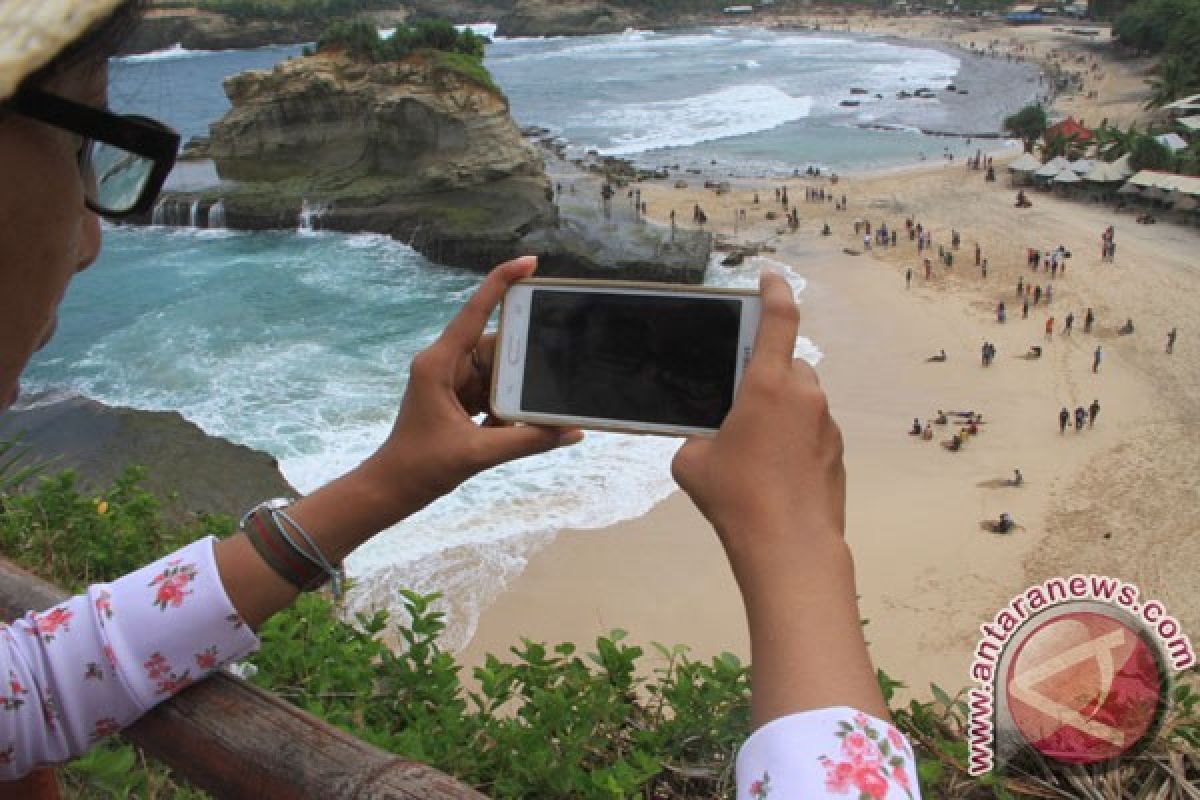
<point x="635" y="357"/>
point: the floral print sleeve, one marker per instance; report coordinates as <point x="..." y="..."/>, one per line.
<point x="75" y="673"/>
<point x="829" y="752"/>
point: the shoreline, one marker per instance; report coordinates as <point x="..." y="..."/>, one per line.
<point x="928" y="574"/>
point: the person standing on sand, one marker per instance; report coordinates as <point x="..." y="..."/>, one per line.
<point x="1050" y="327"/>
<point x="1020" y="286"/>
<point x="908" y="279"/>
<point x="1068" y="322"/>
<point x="1080" y="418"/>
<point x="1064" y="417"/>
<point x="1093" y="412"/>
<point x="1025" y="310"/>
<point x="1088" y="320"/>
<point x="1096" y="358"/>
<point x="1171" y="340"/>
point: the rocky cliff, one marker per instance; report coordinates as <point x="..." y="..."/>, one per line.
<point x="420" y="149"/>
<point x="188" y="470"/>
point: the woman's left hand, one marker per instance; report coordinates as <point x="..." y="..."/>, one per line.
<point x="435" y="444"/>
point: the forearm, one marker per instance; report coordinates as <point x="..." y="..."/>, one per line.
<point x="339" y="516"/>
<point x="807" y="645"/>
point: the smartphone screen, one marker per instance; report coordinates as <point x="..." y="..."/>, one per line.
<point x="637" y="357"/>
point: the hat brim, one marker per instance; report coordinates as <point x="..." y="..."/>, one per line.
<point x="34" y="32"/>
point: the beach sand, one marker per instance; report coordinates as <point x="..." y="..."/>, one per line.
<point x="1119" y="499"/>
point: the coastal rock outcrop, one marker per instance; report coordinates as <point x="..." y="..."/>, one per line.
<point x="420" y="149"/>
<point x="188" y="470"/>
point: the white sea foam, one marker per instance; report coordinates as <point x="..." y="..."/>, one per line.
<point x="733" y="111"/>
<point x="487" y="29"/>
<point x="175" y="51"/>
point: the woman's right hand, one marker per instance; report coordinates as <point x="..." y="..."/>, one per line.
<point x="775" y="466"/>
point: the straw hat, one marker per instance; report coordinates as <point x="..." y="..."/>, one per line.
<point x="33" y="32"/>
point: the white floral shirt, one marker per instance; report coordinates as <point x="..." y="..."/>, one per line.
<point x="75" y="673"/>
<point x="829" y="752"/>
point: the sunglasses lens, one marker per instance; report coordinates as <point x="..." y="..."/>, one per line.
<point x="116" y="177"/>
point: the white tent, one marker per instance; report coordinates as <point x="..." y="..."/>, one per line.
<point x="1192" y="123"/>
<point x="1122" y="164"/>
<point x="1026" y="162"/>
<point x="1067" y="176"/>
<point x="1053" y="167"/>
<point x="1105" y="173"/>
<point x="1083" y="166"/>
<point x="1172" y="141"/>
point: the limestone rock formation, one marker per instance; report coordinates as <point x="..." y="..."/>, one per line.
<point x="420" y="149"/>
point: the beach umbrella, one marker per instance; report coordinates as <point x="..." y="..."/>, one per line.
<point x="1026" y="162"/>
<point x="1130" y="188"/>
<point x="1067" y="176"/>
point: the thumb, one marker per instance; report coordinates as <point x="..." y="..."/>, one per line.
<point x="688" y="459"/>
<point x="519" y="441"/>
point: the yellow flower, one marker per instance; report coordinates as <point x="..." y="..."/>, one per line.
<point x="102" y="507"/>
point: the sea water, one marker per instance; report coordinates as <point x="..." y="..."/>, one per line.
<point x="298" y="343"/>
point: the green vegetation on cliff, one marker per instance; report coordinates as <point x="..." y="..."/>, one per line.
<point x="460" y="51"/>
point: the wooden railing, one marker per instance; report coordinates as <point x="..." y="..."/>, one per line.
<point x="235" y="740"/>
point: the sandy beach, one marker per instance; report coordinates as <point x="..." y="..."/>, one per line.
<point x="1117" y="499"/>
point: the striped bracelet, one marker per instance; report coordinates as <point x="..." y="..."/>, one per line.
<point x="304" y="568"/>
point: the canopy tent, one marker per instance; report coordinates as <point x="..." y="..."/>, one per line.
<point x="1083" y="166"/>
<point x="1184" y="106"/>
<point x="1026" y="162"/>
<point x="1123" y="164"/>
<point x="1172" y="141"/>
<point x="1053" y="167"/>
<point x="1167" y="181"/>
<point x="1191" y="123"/>
<point x="1154" y="193"/>
<point x="1130" y="188"/>
<point x="1067" y="176"/>
<point x="1105" y="173"/>
<point x="1187" y="203"/>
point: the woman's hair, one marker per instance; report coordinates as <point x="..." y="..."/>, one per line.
<point x="102" y="40"/>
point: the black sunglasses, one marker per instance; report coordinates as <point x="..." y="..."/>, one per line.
<point x="125" y="159"/>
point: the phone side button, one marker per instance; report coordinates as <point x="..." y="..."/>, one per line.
<point x="514" y="353"/>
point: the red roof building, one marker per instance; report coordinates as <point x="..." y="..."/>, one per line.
<point x="1069" y="128"/>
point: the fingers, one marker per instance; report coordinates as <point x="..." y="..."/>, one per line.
<point x="510" y="443"/>
<point x="780" y="322"/>
<point x="464" y="330"/>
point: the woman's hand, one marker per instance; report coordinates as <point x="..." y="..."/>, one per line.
<point x="775" y="466"/>
<point x="772" y="484"/>
<point x="435" y="444"/>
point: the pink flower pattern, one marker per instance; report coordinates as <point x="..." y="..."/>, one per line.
<point x="50" y="622"/>
<point x="207" y="660"/>
<point x="104" y="605"/>
<point x="868" y="762"/>
<point x="761" y="788"/>
<point x="103" y="727"/>
<point x="172" y="584"/>
<point x="158" y="669"/>
<point x="111" y="657"/>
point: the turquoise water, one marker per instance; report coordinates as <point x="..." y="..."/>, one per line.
<point x="299" y="343"/>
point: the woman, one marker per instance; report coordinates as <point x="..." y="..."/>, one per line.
<point x="771" y="482"/>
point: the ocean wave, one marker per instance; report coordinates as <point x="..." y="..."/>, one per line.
<point x="733" y="111"/>
<point x="175" y="51"/>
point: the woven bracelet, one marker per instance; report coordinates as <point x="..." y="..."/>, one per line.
<point x="279" y="553"/>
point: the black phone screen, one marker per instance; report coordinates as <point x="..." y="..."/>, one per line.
<point x="636" y="357"/>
